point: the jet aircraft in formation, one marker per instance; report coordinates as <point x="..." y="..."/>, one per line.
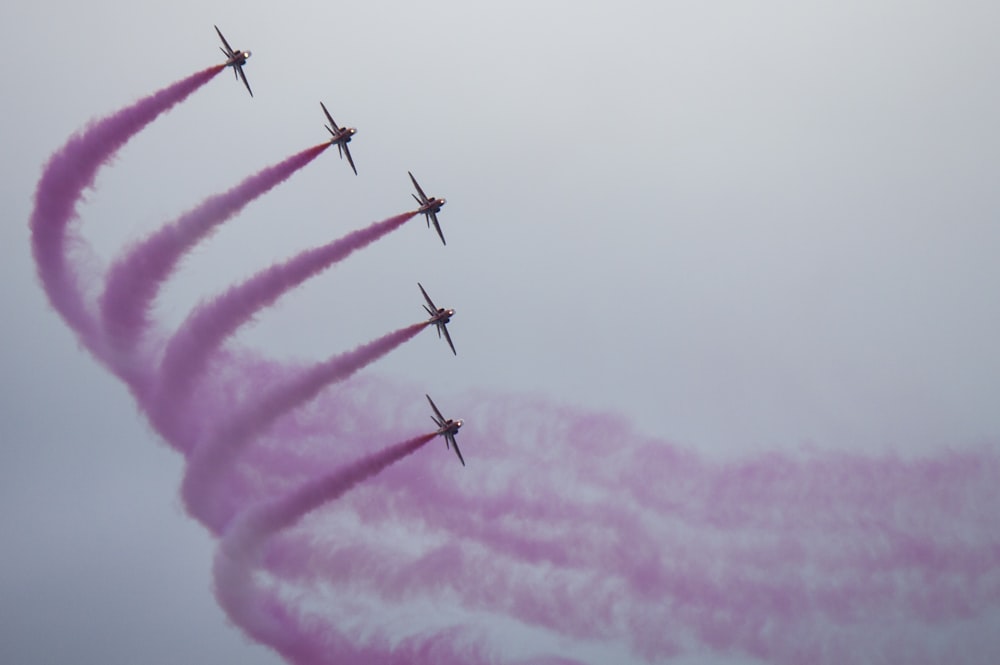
<point x="447" y="428"/>
<point x="340" y="136"/>
<point x="429" y="207"/>
<point x="235" y="59"/>
<point x="439" y="317"/>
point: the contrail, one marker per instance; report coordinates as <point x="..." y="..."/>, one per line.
<point x="136" y="278"/>
<point x="212" y="322"/>
<point x="206" y="464"/>
<point x="71" y="170"/>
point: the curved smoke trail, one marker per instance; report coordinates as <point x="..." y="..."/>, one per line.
<point x="259" y="614"/>
<point x="210" y="458"/>
<point x="135" y="279"/>
<point x="293" y="633"/>
<point x="70" y="171"/>
<point x="212" y="322"/>
<point x="573" y="522"/>
<point x="567" y="525"/>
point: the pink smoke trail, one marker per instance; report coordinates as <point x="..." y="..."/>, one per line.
<point x="573" y="522"/>
<point x="135" y="279"/>
<point x="256" y="524"/>
<point x="564" y="520"/>
<point x="71" y="170"/>
<point x="262" y="615"/>
<point x="204" y="497"/>
<point x="204" y="330"/>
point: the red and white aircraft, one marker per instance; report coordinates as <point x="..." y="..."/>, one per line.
<point x="235" y="59"/>
<point x="340" y="136"/>
<point x="439" y="317"/>
<point x="429" y="206"/>
<point x="447" y="428"/>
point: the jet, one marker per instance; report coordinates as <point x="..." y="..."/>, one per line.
<point x="235" y="59"/>
<point x="340" y="136"/>
<point x="446" y="428"/>
<point x="429" y="207"/>
<point x="439" y="317"/>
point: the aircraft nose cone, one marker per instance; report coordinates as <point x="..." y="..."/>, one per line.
<point x="246" y="54"/>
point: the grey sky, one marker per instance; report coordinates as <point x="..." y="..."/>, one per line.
<point x="743" y="226"/>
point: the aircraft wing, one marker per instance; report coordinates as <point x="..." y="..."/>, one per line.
<point x="229" y="49"/>
<point x="429" y="302"/>
<point x="347" y="151"/>
<point x="423" y="197"/>
<point x="239" y="68"/>
<point x="433" y="406"/>
<point x="434" y="218"/>
<point x="458" y="452"/>
<point x="329" y="117"/>
<point x="444" y="329"/>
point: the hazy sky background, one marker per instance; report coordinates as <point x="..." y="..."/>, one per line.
<point x="743" y="226"/>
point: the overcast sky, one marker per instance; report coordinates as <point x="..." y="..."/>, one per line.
<point x="741" y="226"/>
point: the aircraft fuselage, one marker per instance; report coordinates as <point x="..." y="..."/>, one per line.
<point x="238" y="59"/>
<point x="433" y="205"/>
<point x="443" y="315"/>
<point x="450" y="427"/>
<point x="343" y="136"/>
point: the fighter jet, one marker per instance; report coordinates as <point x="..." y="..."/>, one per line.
<point x="340" y="136"/>
<point x="235" y="59"/>
<point x="446" y="428"/>
<point x="429" y="207"/>
<point x="439" y="317"/>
